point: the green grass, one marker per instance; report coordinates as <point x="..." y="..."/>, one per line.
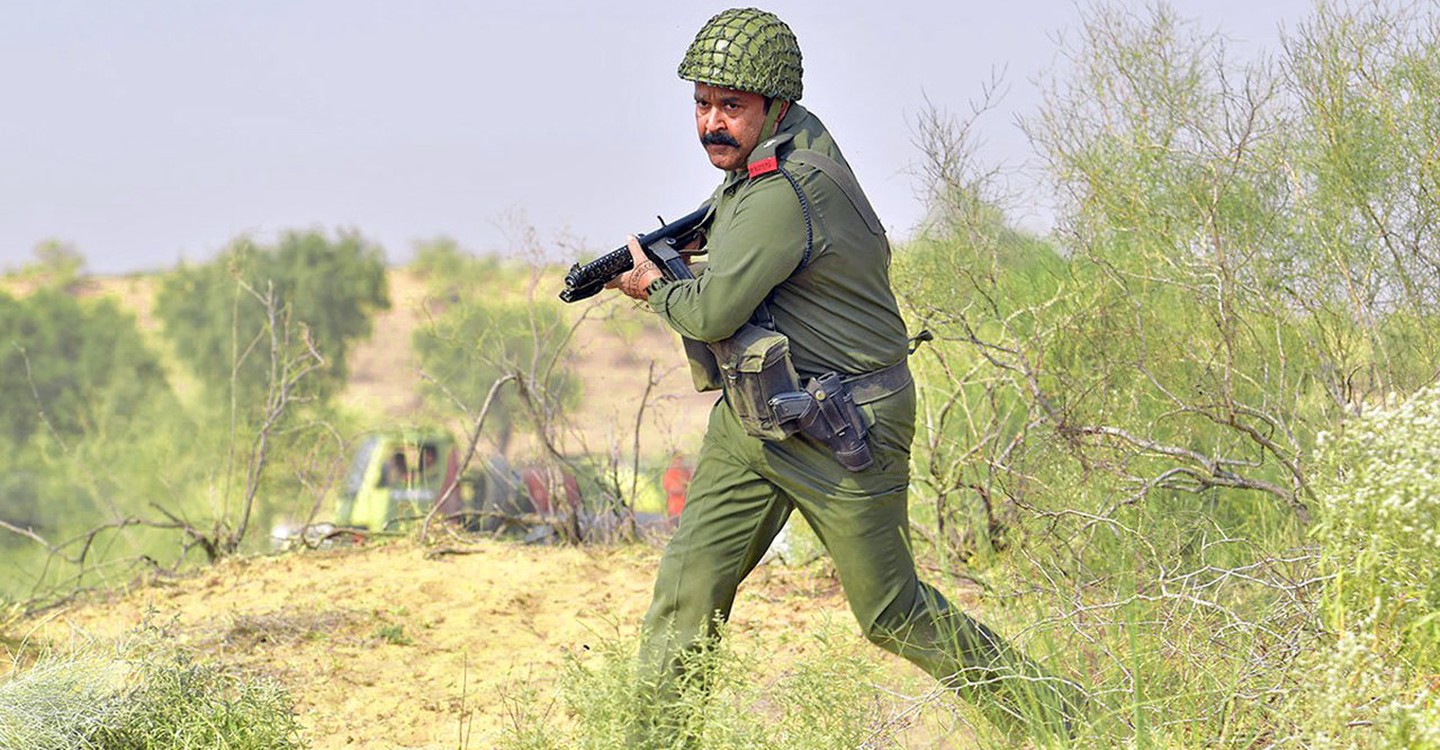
<point x="826" y="697"/>
<point x="393" y="634"/>
<point x="146" y="700"/>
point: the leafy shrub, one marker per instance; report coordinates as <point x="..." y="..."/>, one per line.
<point x="89" y="702"/>
<point x="59" y="703"/>
<point x="181" y="704"/>
<point x="1379" y="529"/>
<point x="1379" y="503"/>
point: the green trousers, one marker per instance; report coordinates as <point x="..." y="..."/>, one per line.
<point x="742" y="492"/>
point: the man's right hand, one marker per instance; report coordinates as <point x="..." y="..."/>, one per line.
<point x="636" y="282"/>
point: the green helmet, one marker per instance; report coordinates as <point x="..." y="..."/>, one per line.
<point x="746" y="49"/>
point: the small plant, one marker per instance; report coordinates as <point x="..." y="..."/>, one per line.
<point x="1379" y="504"/>
<point x="59" y="703"/>
<point x="393" y="633"/>
<point x="182" y="704"/>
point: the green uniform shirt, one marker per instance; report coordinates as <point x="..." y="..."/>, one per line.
<point x="838" y="311"/>
<point x="841" y="316"/>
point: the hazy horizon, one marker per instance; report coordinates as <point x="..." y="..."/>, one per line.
<point x="151" y="132"/>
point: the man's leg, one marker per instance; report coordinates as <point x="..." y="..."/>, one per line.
<point x="863" y="521"/>
<point x="903" y="615"/>
<point x="731" y="515"/>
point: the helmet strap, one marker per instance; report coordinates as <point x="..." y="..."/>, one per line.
<point x="774" y="111"/>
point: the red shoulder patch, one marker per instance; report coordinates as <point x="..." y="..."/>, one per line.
<point x="764" y="166"/>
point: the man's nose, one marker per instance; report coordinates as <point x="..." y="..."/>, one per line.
<point x="712" y="121"/>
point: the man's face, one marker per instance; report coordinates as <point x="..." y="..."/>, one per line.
<point x="729" y="123"/>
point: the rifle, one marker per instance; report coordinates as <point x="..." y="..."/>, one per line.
<point x="661" y="246"/>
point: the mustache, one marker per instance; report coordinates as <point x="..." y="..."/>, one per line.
<point x="719" y="138"/>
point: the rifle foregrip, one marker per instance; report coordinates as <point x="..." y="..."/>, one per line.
<point x="586" y="280"/>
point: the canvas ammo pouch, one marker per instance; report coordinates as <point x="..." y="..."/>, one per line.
<point x="755" y="366"/>
<point x="704" y="370"/>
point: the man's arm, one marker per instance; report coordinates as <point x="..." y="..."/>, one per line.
<point x="760" y="248"/>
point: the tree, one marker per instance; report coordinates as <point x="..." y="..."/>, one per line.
<point x="475" y="339"/>
<point x="67" y="365"/>
<point x="327" y="289"/>
<point x="1246" y="256"/>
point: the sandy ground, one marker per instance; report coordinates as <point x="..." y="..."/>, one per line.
<point x="385" y="647"/>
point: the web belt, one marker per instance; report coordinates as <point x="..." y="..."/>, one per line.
<point x="873" y="386"/>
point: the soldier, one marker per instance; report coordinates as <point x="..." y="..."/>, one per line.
<point x="794" y="247"/>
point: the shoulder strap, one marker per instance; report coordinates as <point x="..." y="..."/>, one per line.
<point x="764" y="159"/>
<point x="844" y="178"/>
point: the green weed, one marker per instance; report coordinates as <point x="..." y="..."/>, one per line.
<point x="394" y="634"/>
<point x="825" y="698"/>
<point x="147" y="701"/>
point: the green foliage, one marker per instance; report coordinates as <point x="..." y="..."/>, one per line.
<point x="57" y="265"/>
<point x="166" y="702"/>
<point x="1370" y="682"/>
<point x="1185" y="339"/>
<point x="234" y="319"/>
<point x="83" y="399"/>
<point x="1380" y="526"/>
<point x="485" y="327"/>
<point x="443" y="263"/>
<point x="103" y="466"/>
<point x="393" y="634"/>
<point x="68" y="366"/>
<point x="59" y="703"/>
<point x="1365" y="147"/>
<point x="825" y="699"/>
<point x="181" y="704"/>
<point x="1246" y="257"/>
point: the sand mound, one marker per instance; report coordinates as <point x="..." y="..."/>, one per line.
<point x="385" y="646"/>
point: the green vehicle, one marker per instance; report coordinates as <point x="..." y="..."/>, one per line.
<point x="398" y="476"/>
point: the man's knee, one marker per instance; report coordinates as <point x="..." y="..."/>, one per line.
<point x="889" y="627"/>
<point x="924" y="621"/>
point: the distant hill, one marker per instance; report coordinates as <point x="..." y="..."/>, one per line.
<point x="613" y="353"/>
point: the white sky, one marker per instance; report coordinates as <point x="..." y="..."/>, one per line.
<point x="144" y="132"/>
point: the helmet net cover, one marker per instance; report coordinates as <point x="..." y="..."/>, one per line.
<point x="746" y="49"/>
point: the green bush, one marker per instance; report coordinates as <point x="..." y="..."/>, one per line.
<point x="321" y="292"/>
<point x="71" y="366"/>
<point x="180" y="704"/>
<point x="1379" y="526"/>
<point x="473" y="340"/>
<point x="1379" y="531"/>
<point x="60" y="703"/>
<point x="87" y="701"/>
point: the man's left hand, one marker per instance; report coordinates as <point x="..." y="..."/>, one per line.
<point x="636" y="282"/>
